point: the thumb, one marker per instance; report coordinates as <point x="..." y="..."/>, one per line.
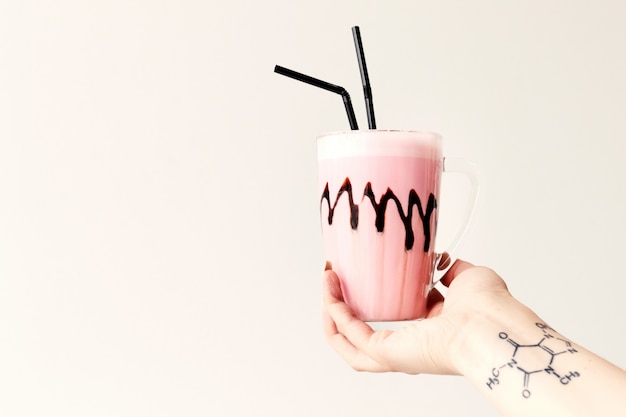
<point x="331" y="287"/>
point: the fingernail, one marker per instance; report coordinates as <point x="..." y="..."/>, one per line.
<point x="444" y="262"/>
<point x="328" y="266"/>
<point x="335" y="289"/>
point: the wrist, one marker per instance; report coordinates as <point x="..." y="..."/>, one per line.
<point x="478" y="343"/>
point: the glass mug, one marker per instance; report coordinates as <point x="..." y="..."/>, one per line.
<point x="379" y="208"/>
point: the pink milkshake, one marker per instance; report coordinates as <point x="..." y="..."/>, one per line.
<point x="379" y="192"/>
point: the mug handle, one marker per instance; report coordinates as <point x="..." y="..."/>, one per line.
<point x="470" y="170"/>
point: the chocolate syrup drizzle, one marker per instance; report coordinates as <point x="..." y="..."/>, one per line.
<point x="380" y="209"/>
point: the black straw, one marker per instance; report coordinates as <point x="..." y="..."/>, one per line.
<point x="367" y="89"/>
<point x="326" y="86"/>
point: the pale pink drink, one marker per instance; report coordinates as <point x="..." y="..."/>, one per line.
<point x="379" y="196"/>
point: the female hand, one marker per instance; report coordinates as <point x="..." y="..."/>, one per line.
<point x="425" y="346"/>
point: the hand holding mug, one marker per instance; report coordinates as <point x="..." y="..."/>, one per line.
<point x="433" y="345"/>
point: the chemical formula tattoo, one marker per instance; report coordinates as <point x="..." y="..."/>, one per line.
<point x="536" y="358"/>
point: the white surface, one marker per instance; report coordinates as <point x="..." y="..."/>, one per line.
<point x="159" y="238"/>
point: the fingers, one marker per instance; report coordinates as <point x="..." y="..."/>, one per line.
<point x="357" y="359"/>
<point x="455" y="270"/>
<point x="357" y="331"/>
<point x="413" y="349"/>
<point x="344" y="332"/>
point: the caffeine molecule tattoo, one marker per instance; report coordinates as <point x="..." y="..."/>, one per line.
<point x="536" y="358"/>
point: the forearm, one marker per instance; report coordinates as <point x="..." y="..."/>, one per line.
<point x="524" y="367"/>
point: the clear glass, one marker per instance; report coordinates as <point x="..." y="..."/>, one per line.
<point x="379" y="192"/>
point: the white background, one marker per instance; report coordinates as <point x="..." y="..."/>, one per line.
<point x="160" y="252"/>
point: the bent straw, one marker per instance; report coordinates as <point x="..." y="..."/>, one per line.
<point x="365" y="79"/>
<point x="326" y="86"/>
